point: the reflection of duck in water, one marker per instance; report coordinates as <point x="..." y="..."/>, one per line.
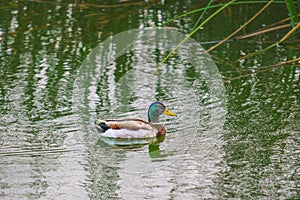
<point x="135" y="128"/>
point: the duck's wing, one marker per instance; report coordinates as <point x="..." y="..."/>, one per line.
<point x="127" y="128"/>
<point x="130" y="124"/>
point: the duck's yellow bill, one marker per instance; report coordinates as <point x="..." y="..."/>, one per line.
<point x="167" y="112"/>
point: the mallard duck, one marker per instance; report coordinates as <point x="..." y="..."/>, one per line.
<point x="135" y="128"/>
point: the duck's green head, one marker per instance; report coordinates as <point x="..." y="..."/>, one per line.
<point x="155" y="110"/>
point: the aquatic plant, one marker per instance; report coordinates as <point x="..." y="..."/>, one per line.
<point x="291" y="22"/>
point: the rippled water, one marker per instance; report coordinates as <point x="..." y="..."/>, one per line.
<point x="236" y="139"/>
<point x="186" y="158"/>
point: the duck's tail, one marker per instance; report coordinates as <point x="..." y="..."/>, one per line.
<point x="101" y="126"/>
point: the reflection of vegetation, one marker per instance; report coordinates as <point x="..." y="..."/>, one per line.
<point x="259" y="143"/>
<point x="44" y="42"/>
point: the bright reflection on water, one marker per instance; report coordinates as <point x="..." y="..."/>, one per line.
<point x="184" y="165"/>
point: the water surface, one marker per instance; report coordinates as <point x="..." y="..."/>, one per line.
<point x="49" y="150"/>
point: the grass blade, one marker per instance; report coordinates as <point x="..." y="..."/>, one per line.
<point x="240" y="28"/>
<point x="192" y="33"/>
<point x="201" y="16"/>
<point x="273" y="45"/>
<point x="217" y="6"/>
<point x="292" y="12"/>
<point x="264" y="69"/>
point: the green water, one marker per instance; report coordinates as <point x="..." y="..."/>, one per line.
<point x="244" y="145"/>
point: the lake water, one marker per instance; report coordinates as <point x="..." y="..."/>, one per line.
<point x="65" y="64"/>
